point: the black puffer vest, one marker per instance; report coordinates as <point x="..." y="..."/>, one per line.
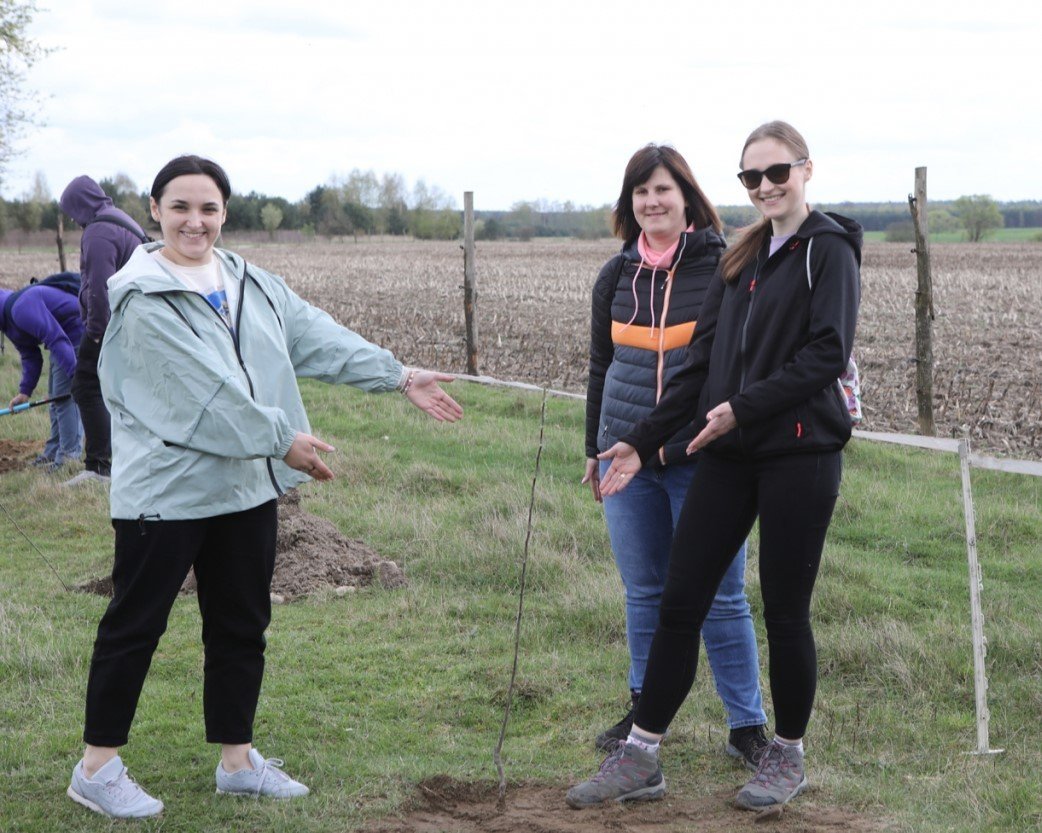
<point x="633" y="351"/>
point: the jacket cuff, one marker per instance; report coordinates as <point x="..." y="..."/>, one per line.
<point x="286" y="435"/>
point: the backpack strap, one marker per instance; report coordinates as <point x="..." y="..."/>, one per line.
<point x="128" y="225"/>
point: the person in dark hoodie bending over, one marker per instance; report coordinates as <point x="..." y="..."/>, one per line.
<point x="761" y="379"/>
<point x="110" y="235"/>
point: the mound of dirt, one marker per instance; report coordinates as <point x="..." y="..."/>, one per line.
<point x="310" y="554"/>
<point x="442" y="803"/>
<point x="16" y="454"/>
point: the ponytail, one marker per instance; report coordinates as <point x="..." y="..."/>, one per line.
<point x="738" y="256"/>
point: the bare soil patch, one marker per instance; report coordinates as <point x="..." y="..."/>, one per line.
<point x="311" y="554"/>
<point x="16" y="454"/>
<point x="444" y="804"/>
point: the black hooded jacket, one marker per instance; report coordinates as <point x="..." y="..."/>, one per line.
<point x="773" y="344"/>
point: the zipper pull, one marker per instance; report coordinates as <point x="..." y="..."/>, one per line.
<point x="752" y="286"/>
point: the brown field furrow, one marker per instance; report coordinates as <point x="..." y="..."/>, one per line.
<point x="533" y="308"/>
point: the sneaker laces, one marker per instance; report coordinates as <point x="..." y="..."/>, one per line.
<point x="271" y="767"/>
<point x="123" y="786"/>
<point x="611" y="763"/>
<point x="773" y="764"/>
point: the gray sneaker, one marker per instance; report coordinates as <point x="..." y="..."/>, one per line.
<point x="86" y="477"/>
<point x="779" y="778"/>
<point x="112" y="792"/>
<point x="629" y="773"/>
<point x="264" y="779"/>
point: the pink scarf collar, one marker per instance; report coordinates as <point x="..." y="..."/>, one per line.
<point x="655" y="259"/>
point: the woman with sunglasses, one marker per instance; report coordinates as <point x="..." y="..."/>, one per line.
<point x="645" y="304"/>
<point x="761" y="381"/>
<point x="198" y="369"/>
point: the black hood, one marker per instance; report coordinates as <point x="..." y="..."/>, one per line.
<point x="829" y="223"/>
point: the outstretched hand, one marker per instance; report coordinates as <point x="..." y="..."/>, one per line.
<point x="426" y="394"/>
<point x="625" y="463"/>
<point x="303" y="456"/>
<point x="719" y="421"/>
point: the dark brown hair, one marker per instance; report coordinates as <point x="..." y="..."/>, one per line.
<point x="191" y="164"/>
<point x="752" y="237"/>
<point x="697" y="208"/>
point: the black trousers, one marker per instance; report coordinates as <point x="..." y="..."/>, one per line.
<point x="793" y="496"/>
<point x="86" y="393"/>
<point x="234" y="558"/>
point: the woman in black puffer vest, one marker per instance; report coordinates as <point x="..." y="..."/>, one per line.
<point x="645" y="304"/>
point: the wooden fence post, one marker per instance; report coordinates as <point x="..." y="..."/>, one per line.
<point x="61" y="243"/>
<point x="923" y="307"/>
<point x="470" y="289"/>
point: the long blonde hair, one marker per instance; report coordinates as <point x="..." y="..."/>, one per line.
<point x="753" y="237"/>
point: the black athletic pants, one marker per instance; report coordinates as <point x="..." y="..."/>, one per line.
<point x="793" y="496"/>
<point x="234" y="557"/>
<point x="86" y="393"/>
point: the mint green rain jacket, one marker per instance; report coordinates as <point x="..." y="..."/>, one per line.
<point x="202" y="414"/>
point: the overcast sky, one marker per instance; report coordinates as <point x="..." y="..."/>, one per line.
<point x="533" y="99"/>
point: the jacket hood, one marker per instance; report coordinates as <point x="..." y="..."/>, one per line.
<point x="829" y="223"/>
<point x="83" y="198"/>
<point x="143" y="274"/>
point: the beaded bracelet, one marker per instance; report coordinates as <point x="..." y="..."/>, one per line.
<point x="408" y="382"/>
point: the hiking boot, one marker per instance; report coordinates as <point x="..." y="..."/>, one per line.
<point x="747" y="745"/>
<point x="264" y="779"/>
<point x="607" y="739"/>
<point x="112" y="792"/>
<point x="779" y="778"/>
<point x="629" y="773"/>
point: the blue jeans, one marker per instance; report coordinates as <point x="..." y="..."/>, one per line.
<point x="640" y="525"/>
<point x="66" y="440"/>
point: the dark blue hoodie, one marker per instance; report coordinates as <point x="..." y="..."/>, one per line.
<point x="104" y="249"/>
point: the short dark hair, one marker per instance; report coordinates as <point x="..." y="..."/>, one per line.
<point x="639" y="170"/>
<point x="191" y="164"/>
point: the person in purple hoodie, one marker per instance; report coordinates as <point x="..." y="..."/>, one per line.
<point x="109" y="237"/>
<point x="49" y="316"/>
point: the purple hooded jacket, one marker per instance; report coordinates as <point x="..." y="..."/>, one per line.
<point x="43" y="315"/>
<point x="103" y="250"/>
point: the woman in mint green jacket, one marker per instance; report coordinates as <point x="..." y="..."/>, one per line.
<point x="198" y="369"/>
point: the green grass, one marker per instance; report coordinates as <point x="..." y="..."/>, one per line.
<point x="366" y="694"/>
<point x="1002" y="235"/>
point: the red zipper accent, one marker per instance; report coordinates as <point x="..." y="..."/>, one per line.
<point x="752" y="285"/>
<point x="799" y="430"/>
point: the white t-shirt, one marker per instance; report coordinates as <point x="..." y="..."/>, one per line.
<point x="207" y="280"/>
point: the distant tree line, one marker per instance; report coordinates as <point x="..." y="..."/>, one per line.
<point x="357" y="204"/>
<point x="362" y="203"/>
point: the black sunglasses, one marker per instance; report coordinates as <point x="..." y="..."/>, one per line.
<point x="778" y="174"/>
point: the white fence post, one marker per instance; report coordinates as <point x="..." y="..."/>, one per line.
<point x="980" y="650"/>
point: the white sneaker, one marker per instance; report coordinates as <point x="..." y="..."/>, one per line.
<point x="264" y="779"/>
<point x="112" y="792"/>
<point x="86" y="477"/>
